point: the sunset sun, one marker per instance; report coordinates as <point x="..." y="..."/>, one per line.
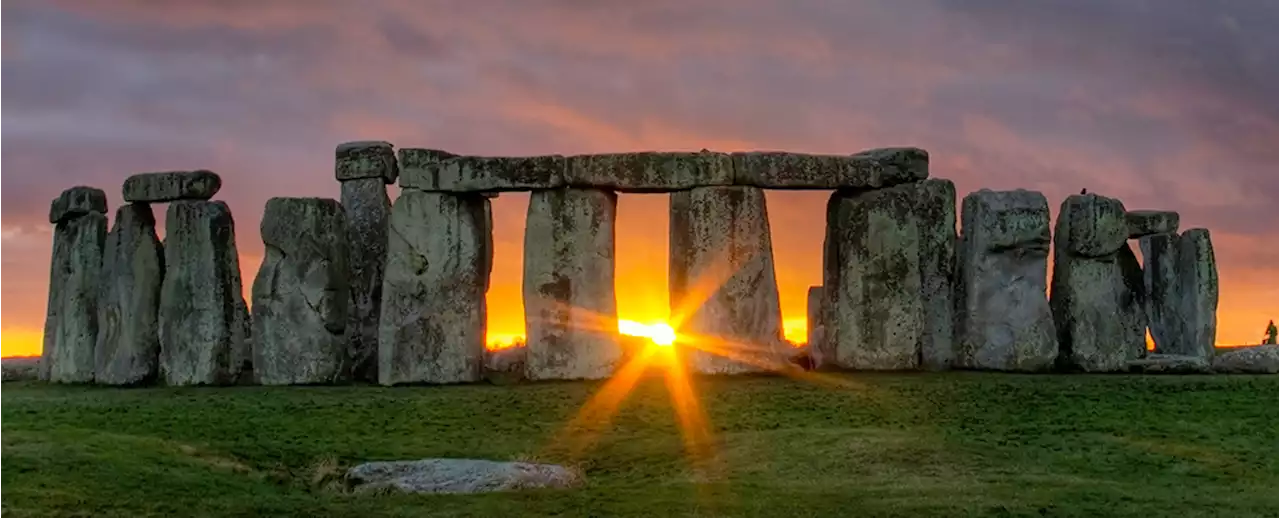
<point x="660" y="333"/>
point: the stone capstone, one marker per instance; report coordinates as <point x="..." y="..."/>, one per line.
<point x="128" y="346"/>
<point x="1261" y="359"/>
<point x="366" y="159"/>
<point x="458" y="476"/>
<point x="869" y="169"/>
<point x="1003" y="320"/>
<point x="1169" y="364"/>
<point x="721" y="279"/>
<point x="171" y="186"/>
<point x="1147" y="222"/>
<point x="1097" y="308"/>
<point x="300" y="295"/>
<point x="649" y="171"/>
<point x="77" y="201"/>
<point x="432" y="323"/>
<point x="201" y="300"/>
<point x="368" y="211"/>
<point x="439" y="171"/>
<point x="71" y="318"/>
<point x="569" y="303"/>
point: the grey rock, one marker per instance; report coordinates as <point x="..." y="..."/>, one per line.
<point x="20" y="369"/>
<point x="242" y="334"/>
<point x="171" y="186"/>
<point x="368" y="212"/>
<point x="1003" y="320"/>
<point x="201" y="299"/>
<point x="508" y="360"/>
<point x="816" y="325"/>
<point x="874" y="168"/>
<point x="936" y="217"/>
<point x="300" y="295"/>
<point x="1261" y="359"/>
<point x="722" y="286"/>
<point x="1133" y="300"/>
<point x="1197" y="295"/>
<point x="366" y="159"/>
<point x="1170" y="364"/>
<point x="432" y="323"/>
<point x="71" y="320"/>
<point x="128" y="346"/>
<point x="569" y="303"/>
<point x="433" y="170"/>
<point x="77" y="201"/>
<point x="650" y="171"/>
<point x="1160" y="282"/>
<point x="458" y="476"/>
<point x="1147" y="222"/>
<point x="1093" y="307"/>
<point x="877" y="309"/>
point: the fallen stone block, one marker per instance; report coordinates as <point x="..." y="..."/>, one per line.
<point x="171" y="186"/>
<point x="1261" y="359"/>
<point x="300" y="295"/>
<point x="1170" y="364"/>
<point x="458" y="476"/>
<point x="875" y="168"/>
<point x="366" y="159"/>
<point x="649" y="171"/>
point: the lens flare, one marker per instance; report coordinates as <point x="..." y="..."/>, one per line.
<point x="659" y="333"/>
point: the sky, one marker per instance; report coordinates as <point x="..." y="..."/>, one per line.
<point x="1164" y="104"/>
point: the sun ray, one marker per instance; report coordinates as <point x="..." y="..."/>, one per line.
<point x="751" y="355"/>
<point x="585" y="428"/>
<point x="704" y="284"/>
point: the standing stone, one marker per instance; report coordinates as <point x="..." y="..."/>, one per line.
<point x="171" y="186"/>
<point x="569" y="304"/>
<point x="71" y="318"/>
<point x="201" y="300"/>
<point x="877" y="309"/>
<point x="300" y="295"/>
<point x="364" y="171"/>
<point x="432" y="323"/>
<point x="128" y="348"/>
<point x="936" y="217"/>
<point x="1198" y="295"/>
<point x="723" y="288"/>
<point x="1003" y="320"/>
<point x="816" y="325"/>
<point x="1093" y="307"/>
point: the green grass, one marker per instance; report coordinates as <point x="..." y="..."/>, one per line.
<point x="956" y="444"/>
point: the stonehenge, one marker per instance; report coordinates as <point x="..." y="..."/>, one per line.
<point x="359" y="289"/>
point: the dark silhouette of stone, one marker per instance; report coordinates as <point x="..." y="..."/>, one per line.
<point x="77" y="201"/>
<point x="171" y="186"/>
<point x="366" y="159"/>
<point x="874" y="168"/>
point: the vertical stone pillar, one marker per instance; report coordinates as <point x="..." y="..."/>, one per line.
<point x="569" y="303"/>
<point x="1003" y="320"/>
<point x="300" y="296"/>
<point x="128" y="349"/>
<point x="1160" y="280"/>
<point x="876" y="297"/>
<point x="1181" y="278"/>
<point x="724" y="293"/>
<point x="201" y="301"/>
<point x="364" y="169"/>
<point x="71" y="318"/>
<point x="936" y="217"/>
<point x="432" y="323"/>
<point x="1099" y="319"/>
<point x="816" y="325"/>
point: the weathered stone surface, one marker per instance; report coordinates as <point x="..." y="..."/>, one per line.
<point x="936" y="217"/>
<point x="1160" y="282"/>
<point x="432" y="323"/>
<point x="366" y="159"/>
<point x="368" y="212"/>
<point x="1133" y="301"/>
<point x="1262" y="359"/>
<point x="649" y="171"/>
<point x="816" y="325"/>
<point x="458" y="476"/>
<point x="1197" y="295"/>
<point x="128" y="346"/>
<point x="722" y="281"/>
<point x="507" y="362"/>
<point x="1170" y="364"/>
<point x="300" y="295"/>
<point x="433" y="170"/>
<point x="1093" y="307"/>
<point x="201" y="301"/>
<point x="171" y="186"/>
<point x="569" y="304"/>
<point x="1003" y="320"/>
<point x="875" y="294"/>
<point x="77" y="201"/>
<point x="1147" y="222"/>
<point x="874" y="168"/>
<point x="71" y="320"/>
<point x="20" y="369"/>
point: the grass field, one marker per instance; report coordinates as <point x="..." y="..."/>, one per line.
<point x="955" y="444"/>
